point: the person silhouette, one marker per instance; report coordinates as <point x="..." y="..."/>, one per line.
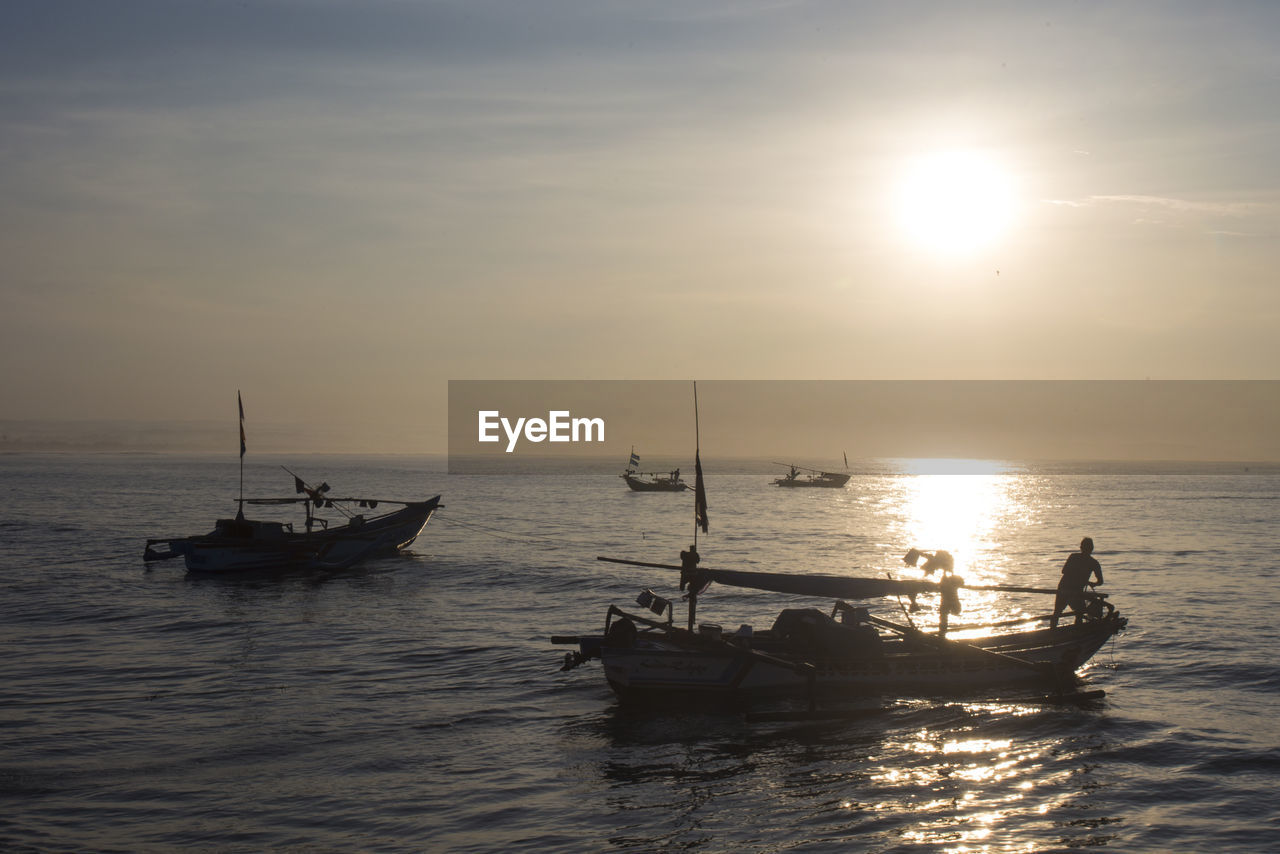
<point x="1080" y="567"/>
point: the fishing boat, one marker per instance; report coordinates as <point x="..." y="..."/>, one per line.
<point x="245" y="545"/>
<point x="241" y="544"/>
<point x="812" y="477"/>
<point x="651" y="481"/>
<point x="810" y="653"/>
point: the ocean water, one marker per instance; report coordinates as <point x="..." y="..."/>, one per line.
<point x="416" y="703"/>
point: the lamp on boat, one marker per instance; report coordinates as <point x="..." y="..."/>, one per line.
<point x="652" y="601"/>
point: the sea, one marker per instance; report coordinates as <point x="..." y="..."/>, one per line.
<point x="416" y="703"/>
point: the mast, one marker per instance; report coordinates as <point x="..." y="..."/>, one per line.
<point x="698" y="490"/>
<point x="689" y="559"/>
<point x="240" y="506"/>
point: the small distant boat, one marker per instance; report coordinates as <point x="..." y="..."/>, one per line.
<point x="812" y="477"/>
<point x="243" y="545"/>
<point x="651" y="481"/>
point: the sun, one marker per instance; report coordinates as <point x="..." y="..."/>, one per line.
<point x="954" y="202"/>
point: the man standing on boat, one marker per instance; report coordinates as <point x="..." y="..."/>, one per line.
<point x="1076" y="574"/>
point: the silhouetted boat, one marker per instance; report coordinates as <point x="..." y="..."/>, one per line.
<point x="655" y="482"/>
<point x="651" y="481"/>
<point x="240" y="544"/>
<point x="815" y="477"/>
<point x="808" y="653"/>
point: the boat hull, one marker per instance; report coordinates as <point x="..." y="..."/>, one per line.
<point x="638" y="485"/>
<point x="835" y="481"/>
<point x="655" y="668"/>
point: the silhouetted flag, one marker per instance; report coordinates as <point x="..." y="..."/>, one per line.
<point x="635" y="460"/>
<point x="241" y="403"/>
<point x="699" y="494"/>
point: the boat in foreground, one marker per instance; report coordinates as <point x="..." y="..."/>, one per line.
<point x="240" y="544"/>
<point x="244" y="545"/>
<point x="811" y="654"/>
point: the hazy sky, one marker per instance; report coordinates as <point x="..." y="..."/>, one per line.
<point x="336" y="207"/>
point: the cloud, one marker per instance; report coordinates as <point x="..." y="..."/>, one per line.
<point x="1173" y="212"/>
<point x="1185" y="206"/>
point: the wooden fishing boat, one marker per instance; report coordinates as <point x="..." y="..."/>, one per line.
<point x="807" y="653"/>
<point x="651" y="481"/>
<point x="245" y="545"/>
<point x="654" y="482"/>
<point x="240" y="544"/>
<point x="813" y="477"/>
<point x="811" y="654"/>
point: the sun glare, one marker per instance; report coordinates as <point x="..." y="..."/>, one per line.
<point x="954" y="202"/>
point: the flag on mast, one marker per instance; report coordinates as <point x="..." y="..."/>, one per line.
<point x="699" y="494"/>
<point x="241" y="403"/>
<point x="699" y="488"/>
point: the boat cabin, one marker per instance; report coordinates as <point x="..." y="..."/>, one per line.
<point x="251" y="529"/>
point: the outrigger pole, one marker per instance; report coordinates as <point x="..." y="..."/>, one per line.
<point x="802" y="468"/>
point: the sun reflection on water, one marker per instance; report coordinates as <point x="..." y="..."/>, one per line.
<point x="967" y="508"/>
<point x="960" y="513"/>
<point x="968" y="792"/>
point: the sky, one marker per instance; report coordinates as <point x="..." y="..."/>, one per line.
<point x="337" y="207"/>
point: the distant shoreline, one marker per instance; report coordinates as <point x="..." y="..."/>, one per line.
<point x="191" y="437"/>
<point x="713" y="467"/>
